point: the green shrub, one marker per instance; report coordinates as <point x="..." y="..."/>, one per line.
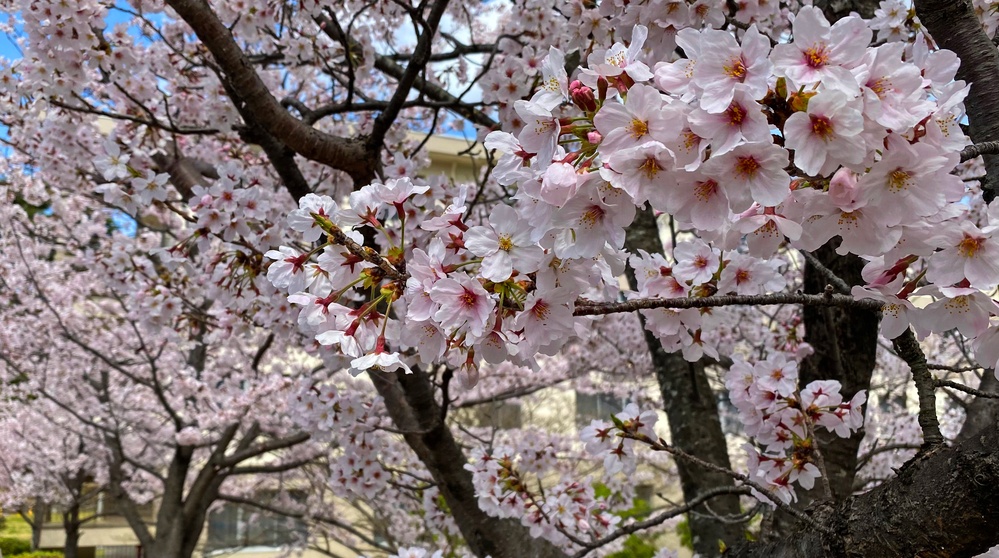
<point x="14" y="547"/>
<point x="686" y="535"/>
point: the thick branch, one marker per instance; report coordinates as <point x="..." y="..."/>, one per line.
<point x="944" y="503"/>
<point x="909" y="350"/>
<point x="264" y="447"/>
<point x="251" y="96"/>
<point x="983" y="410"/>
<point x="589" y="308"/>
<point x="273" y="468"/>
<point x="984" y="148"/>
<point x="410" y="401"/>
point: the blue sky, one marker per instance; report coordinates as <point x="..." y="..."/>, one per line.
<point x="10" y="51"/>
<point x="7" y="48"/>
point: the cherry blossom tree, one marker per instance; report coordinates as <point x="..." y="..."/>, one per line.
<point x="46" y="466"/>
<point x="224" y="240"/>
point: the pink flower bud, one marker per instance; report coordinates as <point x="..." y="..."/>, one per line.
<point x="583" y="97"/>
<point x="843" y="189"/>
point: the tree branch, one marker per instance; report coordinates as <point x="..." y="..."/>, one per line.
<point x="909" y="350"/>
<point x="984" y="148"/>
<point x="658" y="519"/>
<point x="965" y="389"/>
<point x="252" y="97"/>
<point x="590" y="308"/>
<point x="389" y="67"/>
<point x="262" y="448"/>
<point x="416" y="65"/>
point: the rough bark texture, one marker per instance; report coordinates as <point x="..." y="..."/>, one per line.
<point x="845" y="342"/>
<point x="954" y="26"/>
<point x="178" y="529"/>
<point x="410" y="402"/>
<point x="692" y="411"/>
<point x="943" y="504"/>
<point x="835" y="10"/>
<point x="982" y="411"/>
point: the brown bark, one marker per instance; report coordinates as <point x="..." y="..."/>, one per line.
<point x="39" y="513"/>
<point x="845" y="342"/>
<point x="273" y="127"/>
<point x="982" y="411"/>
<point x="835" y="10"/>
<point x="411" y="404"/>
<point x="692" y="411"/>
<point x="943" y="504"/>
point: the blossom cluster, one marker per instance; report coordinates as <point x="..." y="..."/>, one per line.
<point x="347" y="416"/>
<point x="782" y="419"/>
<point x="601" y="438"/>
<point x="753" y="147"/>
<point x="508" y="484"/>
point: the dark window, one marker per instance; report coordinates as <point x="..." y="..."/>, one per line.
<point x="238" y="526"/>
<point x="500" y="415"/>
<point x="118" y="552"/>
<point x="596" y="406"/>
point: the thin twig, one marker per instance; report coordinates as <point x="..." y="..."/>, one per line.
<point x="965" y="389"/>
<point x="661" y="445"/>
<point x="658" y="519"/>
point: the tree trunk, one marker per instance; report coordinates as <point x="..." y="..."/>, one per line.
<point x="39" y="513"/>
<point x="692" y="411"/>
<point x="409" y="399"/>
<point x="942" y="504"/>
<point x="71" y="525"/>
<point x="982" y="411"/>
<point x="845" y="343"/>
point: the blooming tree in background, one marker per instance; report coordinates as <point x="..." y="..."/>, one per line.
<point x="224" y="242"/>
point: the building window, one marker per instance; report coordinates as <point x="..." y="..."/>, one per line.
<point x="596" y="406"/>
<point x="118" y="552"/>
<point x="239" y="526"/>
<point x="499" y="415"/>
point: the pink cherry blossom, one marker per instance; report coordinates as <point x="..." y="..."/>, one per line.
<point x="827" y="135"/>
<point x="464" y="304"/>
